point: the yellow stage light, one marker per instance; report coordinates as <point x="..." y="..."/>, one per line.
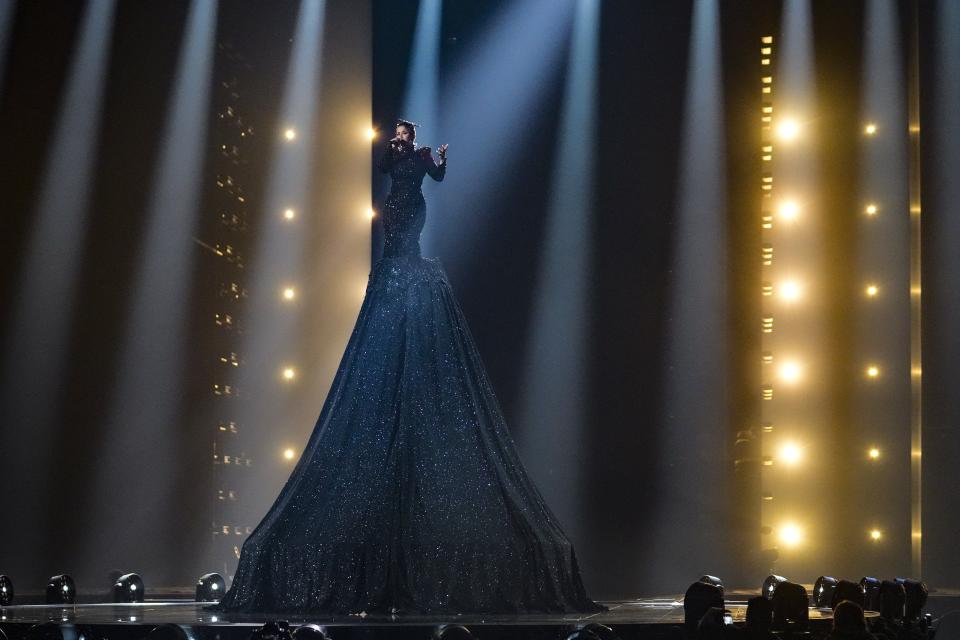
<point x="875" y="534"/>
<point x="371" y="133"/>
<point x="289" y="373"/>
<point x="290" y="134"/>
<point x="873" y="453"/>
<point x="790" y="372"/>
<point x="872" y="290"/>
<point x="788" y="210"/>
<point x="790" y="454"/>
<point x="870" y="129"/>
<point x="289" y="214"/>
<point x="873" y="371"/>
<point x="871" y="209"/>
<point x="289" y="454"/>
<point x="791" y="535"/>
<point x="289" y="293"/>
<point x="371" y="213"/>
<point x="790" y="290"/>
<point x="788" y="129"/>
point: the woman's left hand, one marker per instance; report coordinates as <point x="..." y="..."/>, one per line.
<point x="442" y="151"/>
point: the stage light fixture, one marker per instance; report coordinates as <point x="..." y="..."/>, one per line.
<point x="790" y="535"/>
<point x="289" y="373"/>
<point x="872" y="290"/>
<point x="699" y="598"/>
<point x="289" y="293"/>
<point x="790" y="607"/>
<point x="128" y="588"/>
<point x="6" y="591"/>
<point x="279" y="630"/>
<point x="790" y="290"/>
<point x="770" y="585"/>
<point x="289" y="454"/>
<point x="871" y="209"/>
<point x="371" y="133"/>
<point x="916" y="592"/>
<point x="873" y="453"/>
<point x="790" y="454"/>
<point x="210" y="587"/>
<point x="714" y="580"/>
<point x="168" y="631"/>
<point x="788" y="129"/>
<point x="790" y="372"/>
<point x="309" y="632"/>
<point x="870" y="128"/>
<point x="876" y="535"/>
<point x="823" y="590"/>
<point x="847" y="590"/>
<point x="600" y="631"/>
<point x="788" y="210"/>
<point x="61" y="590"/>
<point x="455" y="632"/>
<point x="371" y="213"/>
<point x="873" y="371"/>
<point x="290" y="134"/>
<point x="871" y="593"/>
<point x="289" y="214"/>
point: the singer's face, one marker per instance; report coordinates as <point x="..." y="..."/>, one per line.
<point x="404" y="134"/>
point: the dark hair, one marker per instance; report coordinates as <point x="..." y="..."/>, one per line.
<point x="411" y="127"/>
<point x="848" y="616"/>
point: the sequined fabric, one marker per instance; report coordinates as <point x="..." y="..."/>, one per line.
<point x="409" y="496"/>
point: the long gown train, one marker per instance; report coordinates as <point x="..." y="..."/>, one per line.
<point x="409" y="495"/>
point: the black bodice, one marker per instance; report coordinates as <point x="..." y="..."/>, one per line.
<point x="405" y="210"/>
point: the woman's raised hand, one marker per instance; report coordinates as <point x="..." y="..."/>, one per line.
<point x="442" y="151"/>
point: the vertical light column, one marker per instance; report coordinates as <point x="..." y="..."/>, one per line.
<point x="794" y="366"/>
<point x="554" y="369"/>
<point x="880" y="393"/>
<point x="916" y="360"/>
<point x="691" y="459"/>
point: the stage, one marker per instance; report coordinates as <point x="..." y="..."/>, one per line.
<point x="642" y="618"/>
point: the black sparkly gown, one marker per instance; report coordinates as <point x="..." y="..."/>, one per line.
<point x="409" y="495"/>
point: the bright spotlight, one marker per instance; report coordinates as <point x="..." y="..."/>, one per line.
<point x="870" y="209"/>
<point x="788" y="129"/>
<point x="289" y="454"/>
<point x="876" y="534"/>
<point x="870" y="129"/>
<point x="371" y="133"/>
<point x="872" y="290"/>
<point x="790" y="372"/>
<point x="290" y="134"/>
<point x="873" y="453"/>
<point x="791" y="535"/>
<point x="371" y="213"/>
<point x="790" y="454"/>
<point x="789" y="210"/>
<point x="873" y="371"/>
<point x="289" y="214"/>
<point x="289" y="373"/>
<point x="289" y="293"/>
<point x="790" y="290"/>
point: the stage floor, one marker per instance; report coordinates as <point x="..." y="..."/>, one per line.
<point x="645" y="618"/>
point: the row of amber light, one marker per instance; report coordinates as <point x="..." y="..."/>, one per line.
<point x="289" y="292"/>
<point x="790" y="290"/>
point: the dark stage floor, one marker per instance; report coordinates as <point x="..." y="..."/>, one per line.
<point x="647" y="618"/>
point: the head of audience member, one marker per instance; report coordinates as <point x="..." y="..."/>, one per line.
<point x="893" y="597"/>
<point x="848" y="618"/>
<point x="697" y="601"/>
<point x="759" y="614"/>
